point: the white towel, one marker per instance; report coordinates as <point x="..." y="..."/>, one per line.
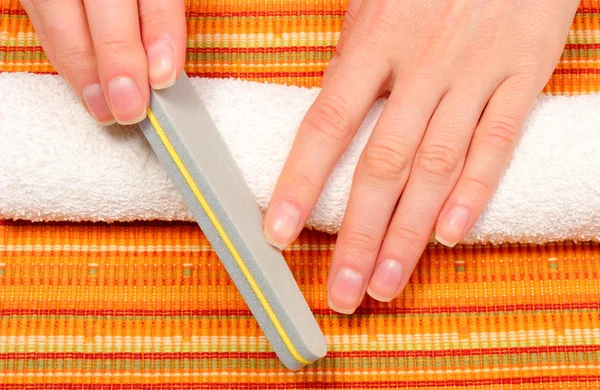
<point x="56" y="164"/>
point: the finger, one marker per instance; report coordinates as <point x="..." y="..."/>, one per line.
<point x="120" y="56"/>
<point x="65" y="26"/>
<point x="349" y="18"/>
<point x="490" y="153"/>
<point x="324" y="134"/>
<point x="164" y="37"/>
<point x="436" y="168"/>
<point x="379" y="178"/>
<point x="329" y="70"/>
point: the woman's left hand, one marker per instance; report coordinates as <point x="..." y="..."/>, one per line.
<point x="462" y="77"/>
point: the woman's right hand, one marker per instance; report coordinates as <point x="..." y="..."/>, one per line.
<point x="110" y="51"/>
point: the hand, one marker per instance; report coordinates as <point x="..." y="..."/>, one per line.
<point x="462" y="77"/>
<point x="110" y="50"/>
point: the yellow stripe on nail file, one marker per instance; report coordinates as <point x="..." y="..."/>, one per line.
<point x="225" y="238"/>
<point x="200" y="164"/>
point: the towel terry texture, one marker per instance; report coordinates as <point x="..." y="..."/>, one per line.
<point x="56" y="164"/>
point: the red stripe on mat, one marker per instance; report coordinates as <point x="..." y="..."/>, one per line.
<point x="331" y="355"/>
<point x="556" y="380"/>
<point x="245" y="312"/>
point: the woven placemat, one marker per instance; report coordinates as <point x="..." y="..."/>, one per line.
<point x="93" y="305"/>
<point x="128" y="306"/>
<point x="286" y="41"/>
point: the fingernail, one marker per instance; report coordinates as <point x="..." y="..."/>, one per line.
<point x="93" y="97"/>
<point x="346" y="291"/>
<point x="161" y="64"/>
<point x="127" y="102"/>
<point x="282" y="226"/>
<point x="451" y="229"/>
<point x="386" y="280"/>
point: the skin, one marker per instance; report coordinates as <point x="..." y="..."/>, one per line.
<point x="461" y="77"/>
<point x="111" y="51"/>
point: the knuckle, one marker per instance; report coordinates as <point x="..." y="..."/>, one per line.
<point x="76" y="59"/>
<point x="300" y="182"/>
<point x="385" y="13"/>
<point x="407" y="233"/>
<point x="359" y="244"/>
<point x="502" y="133"/>
<point x="529" y="67"/>
<point x="155" y="15"/>
<point x="331" y="121"/>
<point x="351" y="13"/>
<point x="111" y="44"/>
<point x="41" y="4"/>
<point x="478" y="185"/>
<point x="385" y="26"/>
<point x="438" y="160"/>
<point x="384" y="161"/>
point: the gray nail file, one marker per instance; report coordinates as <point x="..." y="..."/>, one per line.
<point x="189" y="145"/>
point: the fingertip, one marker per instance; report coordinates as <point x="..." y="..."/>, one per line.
<point x="272" y="242"/>
<point x="386" y="280"/>
<point x="164" y="36"/>
<point x="452" y="225"/>
<point x="378" y="297"/>
<point x="338" y="309"/>
<point x="96" y="104"/>
<point x="444" y="242"/>
<point x="127" y="100"/>
<point x="346" y="290"/>
<point x="283" y="224"/>
<point x="162" y="70"/>
<point x="107" y="123"/>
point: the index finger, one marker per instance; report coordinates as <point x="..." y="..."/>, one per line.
<point x="324" y="134"/>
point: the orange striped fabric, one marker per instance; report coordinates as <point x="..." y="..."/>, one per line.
<point x="92" y="305"/>
<point x="148" y="305"/>
<point x="286" y="41"/>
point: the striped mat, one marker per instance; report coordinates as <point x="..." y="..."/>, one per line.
<point x="148" y="305"/>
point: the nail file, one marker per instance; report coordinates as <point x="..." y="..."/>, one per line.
<point x="198" y="161"/>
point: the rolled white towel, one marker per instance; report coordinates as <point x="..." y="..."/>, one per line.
<point x="56" y="164"/>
